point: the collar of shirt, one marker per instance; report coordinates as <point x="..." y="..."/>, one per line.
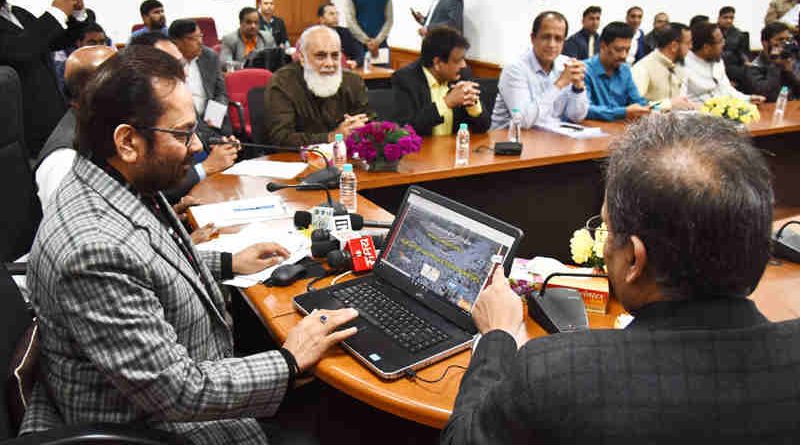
<point x="594" y="65"/>
<point x="664" y="60"/>
<point x="558" y="64"/>
<point x="5" y="12"/>
<point x="432" y="82"/>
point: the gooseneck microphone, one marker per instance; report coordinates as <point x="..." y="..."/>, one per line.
<point x="328" y="176"/>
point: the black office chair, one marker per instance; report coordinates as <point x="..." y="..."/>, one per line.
<point x="22" y="211"/>
<point x="18" y="345"/>
<point x="382" y="102"/>
<point x="488" y="92"/>
<point x="268" y="58"/>
<point x="255" y="100"/>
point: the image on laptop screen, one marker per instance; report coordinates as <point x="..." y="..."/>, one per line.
<point x="444" y="251"/>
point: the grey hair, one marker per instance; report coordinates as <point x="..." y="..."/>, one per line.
<point x="698" y="195"/>
<point x="304" y="36"/>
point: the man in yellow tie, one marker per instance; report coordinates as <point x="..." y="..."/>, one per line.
<point x="434" y="93"/>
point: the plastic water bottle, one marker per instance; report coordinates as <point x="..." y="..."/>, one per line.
<point x="348" y="186"/>
<point x="367" y="61"/>
<point x="339" y="151"/>
<point x="515" y="126"/>
<point x="780" y="104"/>
<point x="462" y="145"/>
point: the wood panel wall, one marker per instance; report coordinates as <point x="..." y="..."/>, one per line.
<point x="298" y="15"/>
<point x="401" y="57"/>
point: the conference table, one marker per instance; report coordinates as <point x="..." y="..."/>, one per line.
<point x="377" y="77"/>
<point x="556" y="184"/>
<point x="431" y="403"/>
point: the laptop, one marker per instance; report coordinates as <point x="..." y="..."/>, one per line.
<point x="415" y="307"/>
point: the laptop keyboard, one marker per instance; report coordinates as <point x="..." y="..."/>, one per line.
<point x="410" y="331"/>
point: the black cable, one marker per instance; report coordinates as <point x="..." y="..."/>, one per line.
<point x="310" y="286"/>
<point x="411" y="375"/>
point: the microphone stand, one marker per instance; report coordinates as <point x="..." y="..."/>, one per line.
<point x="329" y="176"/>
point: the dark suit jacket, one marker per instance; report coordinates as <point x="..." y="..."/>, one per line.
<point x="715" y="371"/>
<point x="450" y="13"/>
<point x="28" y="52"/>
<point x="351" y="47"/>
<point x="735" y="54"/>
<point x="412" y="98"/>
<point x="577" y="45"/>
<point x="766" y="79"/>
<point x="279" y="32"/>
<point x="63" y="136"/>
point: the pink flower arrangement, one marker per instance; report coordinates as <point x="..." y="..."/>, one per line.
<point x="383" y="141"/>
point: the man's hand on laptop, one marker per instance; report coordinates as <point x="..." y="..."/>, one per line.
<point x="316" y="333"/>
<point x="498" y="307"/>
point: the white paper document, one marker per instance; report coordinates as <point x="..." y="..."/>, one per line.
<point x="268" y="169"/>
<point x="215" y="113"/>
<point x="574" y="131"/>
<point x="383" y="57"/>
<point x="243" y="211"/>
<point x="286" y="235"/>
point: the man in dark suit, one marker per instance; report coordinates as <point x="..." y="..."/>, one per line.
<point x="441" y="13"/>
<point x="26" y="43"/>
<point x="736" y="53"/>
<point x="586" y="42"/>
<point x="271" y="23"/>
<point x="328" y="15"/>
<point x="435" y="94"/>
<point x="205" y="81"/>
<point x="688" y="213"/>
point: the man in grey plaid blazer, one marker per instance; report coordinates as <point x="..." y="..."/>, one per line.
<point x="132" y="322"/>
<point x="688" y="210"/>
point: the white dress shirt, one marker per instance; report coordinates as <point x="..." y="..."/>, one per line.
<point x="708" y="79"/>
<point x="634" y="46"/>
<point x="5" y="12"/>
<point x="525" y="85"/>
<point x="51" y="172"/>
<point x="195" y="82"/>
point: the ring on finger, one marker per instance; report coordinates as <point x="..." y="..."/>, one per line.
<point x="323" y="318"/>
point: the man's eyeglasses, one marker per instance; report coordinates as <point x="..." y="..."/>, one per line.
<point x="594" y="224"/>
<point x="185" y="134"/>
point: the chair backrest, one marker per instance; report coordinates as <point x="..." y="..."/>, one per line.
<point x="136" y="27"/>
<point x="22" y="211"/>
<point x="238" y="84"/>
<point x="488" y="92"/>
<point x="382" y="102"/>
<point x="16" y="319"/>
<point x="209" y="30"/>
<point x="255" y="100"/>
<point x="268" y="58"/>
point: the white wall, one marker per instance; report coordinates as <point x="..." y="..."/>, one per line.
<point x="497" y="29"/>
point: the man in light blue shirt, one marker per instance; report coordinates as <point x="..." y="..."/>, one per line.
<point x="609" y="82"/>
<point x="543" y="85"/>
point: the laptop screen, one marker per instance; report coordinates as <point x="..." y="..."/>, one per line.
<point x="443" y="251"/>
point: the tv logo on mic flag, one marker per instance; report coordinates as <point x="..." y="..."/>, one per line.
<point x="363" y="253"/>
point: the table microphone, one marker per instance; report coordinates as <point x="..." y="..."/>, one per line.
<point x="328" y="176"/>
<point x="563" y="309"/>
<point x="338" y="208"/>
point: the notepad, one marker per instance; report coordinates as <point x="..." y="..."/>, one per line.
<point x="286" y="235"/>
<point x="268" y="169"/>
<point x="574" y="131"/>
<point x="215" y="113"/>
<point x="244" y="211"/>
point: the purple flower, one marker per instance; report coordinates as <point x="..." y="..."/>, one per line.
<point x="383" y="139"/>
<point x="392" y="152"/>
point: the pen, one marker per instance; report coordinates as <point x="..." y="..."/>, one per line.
<point x="248" y="209"/>
<point x="571" y="126"/>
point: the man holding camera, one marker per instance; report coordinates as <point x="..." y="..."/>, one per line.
<point x="774" y="67"/>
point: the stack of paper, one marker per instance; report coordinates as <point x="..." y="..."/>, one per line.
<point x="295" y="242"/>
<point x="269" y="169"/>
<point x="244" y="211"/>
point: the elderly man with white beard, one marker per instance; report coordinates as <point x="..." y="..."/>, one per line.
<point x="312" y="100"/>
